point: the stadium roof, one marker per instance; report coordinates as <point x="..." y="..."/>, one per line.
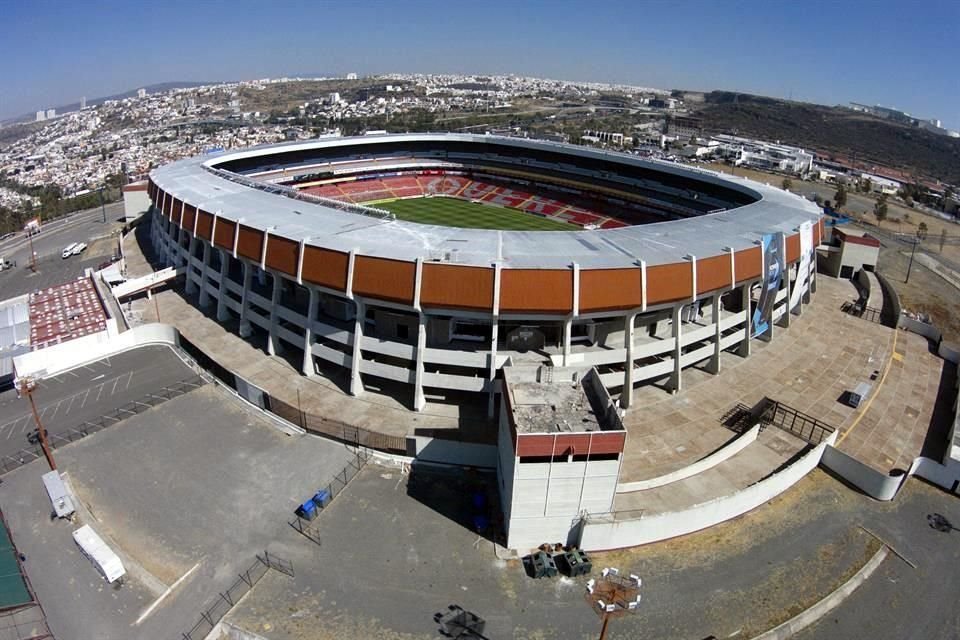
<point x="324" y="226"/>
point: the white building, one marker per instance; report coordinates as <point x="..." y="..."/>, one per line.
<point x="765" y="155"/>
<point x="882" y="185"/>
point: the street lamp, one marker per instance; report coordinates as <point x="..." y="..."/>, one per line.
<point x="26" y="385"/>
<point x="103" y="208"/>
<point x="913" y="251"/>
<point x="613" y="596"/>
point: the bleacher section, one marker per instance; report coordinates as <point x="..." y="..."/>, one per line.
<point x="562" y="204"/>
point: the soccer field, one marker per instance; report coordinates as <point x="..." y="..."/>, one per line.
<point x="451" y="212"/>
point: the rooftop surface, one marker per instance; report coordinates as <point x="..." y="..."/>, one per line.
<point x="64" y="312"/>
<point x="541" y="407"/>
<point x="324" y="226"/>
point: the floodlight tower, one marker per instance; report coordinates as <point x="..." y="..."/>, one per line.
<point x="613" y="596"/>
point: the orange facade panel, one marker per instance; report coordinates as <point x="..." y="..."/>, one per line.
<point x="204" y="224"/>
<point x="669" y="282"/>
<point x="282" y="255"/>
<point x="713" y="273"/>
<point x="748" y="264"/>
<point x="189" y="216"/>
<point x="818" y="232"/>
<point x="166" y="203"/>
<point x="536" y="290"/>
<point x="449" y="286"/>
<point x="325" y="268"/>
<point x="176" y="209"/>
<point x="250" y="243"/>
<point x="384" y="279"/>
<point x="224" y="232"/>
<point x="793" y="248"/>
<point x="608" y="289"/>
<point x="562" y="445"/>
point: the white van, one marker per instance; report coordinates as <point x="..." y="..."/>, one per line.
<point x="93" y="546"/>
<point x="68" y="250"/>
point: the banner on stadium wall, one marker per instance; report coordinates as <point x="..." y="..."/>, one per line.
<point x="806" y="258"/>
<point x="773" y="265"/>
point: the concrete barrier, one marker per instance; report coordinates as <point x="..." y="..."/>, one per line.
<point x="616" y="534"/>
<point x="724" y="453"/>
<point x="928" y="331"/>
<point x="885" y="487"/>
<point x="75" y="353"/>
<point x="890" y="314"/>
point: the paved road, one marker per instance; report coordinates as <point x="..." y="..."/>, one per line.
<point x="79" y="227"/>
<point x="88" y="392"/>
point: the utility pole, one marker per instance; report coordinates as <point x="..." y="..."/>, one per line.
<point x="913" y="251"/>
<point x="26" y="386"/>
<point x="103" y="208"/>
<point x="33" y="255"/>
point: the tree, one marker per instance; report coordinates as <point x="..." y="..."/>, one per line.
<point x="922" y="231"/>
<point x="786" y="184"/>
<point x="840" y="197"/>
<point x="866" y="185"/>
<point x="880" y="209"/>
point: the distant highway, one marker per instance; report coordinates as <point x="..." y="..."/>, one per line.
<point x="78" y="227"/>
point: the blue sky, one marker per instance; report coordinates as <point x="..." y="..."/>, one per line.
<point x="898" y="54"/>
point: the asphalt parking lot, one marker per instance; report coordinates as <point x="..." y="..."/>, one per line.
<point x="192" y="489"/>
<point x="391" y="560"/>
<point x="88" y="392"/>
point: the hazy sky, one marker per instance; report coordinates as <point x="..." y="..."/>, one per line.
<point x="895" y="53"/>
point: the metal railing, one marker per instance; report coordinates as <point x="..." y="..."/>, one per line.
<point x="862" y="311"/>
<point x="800" y="424"/>
<point x="86" y="428"/>
<point x="220" y="606"/>
<point x="337" y="430"/>
<point x="290" y="192"/>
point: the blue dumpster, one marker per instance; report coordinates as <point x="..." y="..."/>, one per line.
<point x="321" y="498"/>
<point x="307" y="511"/>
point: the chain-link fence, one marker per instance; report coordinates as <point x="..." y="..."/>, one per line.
<point x="336" y="430"/>
<point x="84" y="429"/>
<point x="307" y="528"/>
<point x="220" y="606"/>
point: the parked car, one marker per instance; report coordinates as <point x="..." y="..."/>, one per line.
<point x="79" y="248"/>
<point x="68" y="250"/>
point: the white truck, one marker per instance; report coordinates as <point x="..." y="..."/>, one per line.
<point x="93" y="546"/>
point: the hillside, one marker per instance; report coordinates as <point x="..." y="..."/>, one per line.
<point x="834" y="129"/>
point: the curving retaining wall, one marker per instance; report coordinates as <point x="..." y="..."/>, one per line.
<point x="724" y="453"/>
<point x="618" y="534"/>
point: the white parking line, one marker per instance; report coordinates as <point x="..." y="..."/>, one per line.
<point x="94" y="379"/>
<point x="99" y="392"/>
<point x="55" y="409"/>
<point x="114" y="390"/>
<point x="129" y="378"/>
<point x="72" y="398"/>
<point x="85" y="398"/>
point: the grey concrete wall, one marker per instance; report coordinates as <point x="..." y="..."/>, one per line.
<point x="870" y="481"/>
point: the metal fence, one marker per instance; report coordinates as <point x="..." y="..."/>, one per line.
<point x="803" y="426"/>
<point x="336" y="430"/>
<point x="220" y="606"/>
<point x="862" y="311"/>
<point x="84" y="429"/>
<point x="307" y="528"/>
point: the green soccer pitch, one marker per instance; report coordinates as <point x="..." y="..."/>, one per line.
<point x="452" y="212"/>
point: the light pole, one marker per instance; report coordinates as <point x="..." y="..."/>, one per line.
<point x="103" y="208"/>
<point x="33" y="255"/>
<point x="613" y="596"/>
<point x="26" y="385"/>
<point x="913" y="251"/>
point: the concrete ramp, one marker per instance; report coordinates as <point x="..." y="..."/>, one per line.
<point x="146" y="283"/>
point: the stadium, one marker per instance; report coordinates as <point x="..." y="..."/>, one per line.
<point x="422" y="264"/>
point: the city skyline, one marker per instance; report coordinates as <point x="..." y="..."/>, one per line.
<point x="834" y="55"/>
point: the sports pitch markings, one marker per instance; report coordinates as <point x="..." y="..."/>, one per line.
<point x="452" y="212"/>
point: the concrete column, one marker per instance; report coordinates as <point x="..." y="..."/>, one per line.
<point x="204" y="274"/>
<point x="419" y="399"/>
<point x="273" y="342"/>
<point x="312" y="309"/>
<point x="626" y="394"/>
<point x="245" y="329"/>
<point x="813" y="278"/>
<point x="714" y="365"/>
<point x="744" y="350"/>
<point x="191" y="285"/>
<point x="494" y="345"/>
<point x="356" y="383"/>
<point x="261" y="277"/>
<point x="567" y="335"/>
<point x="222" y="312"/>
<point x="785" y="318"/>
<point x="676" y="378"/>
